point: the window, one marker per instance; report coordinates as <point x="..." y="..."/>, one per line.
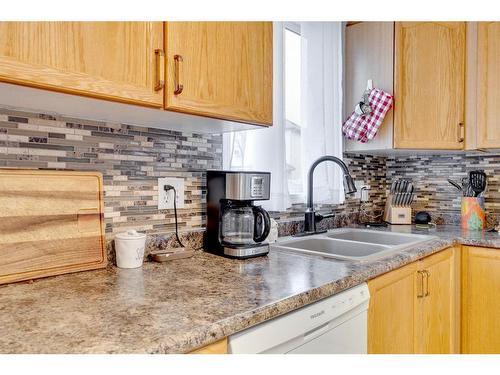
<point x="293" y="109"/>
<point x="307" y="121"/>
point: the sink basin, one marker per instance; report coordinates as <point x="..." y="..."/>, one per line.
<point x="336" y="248"/>
<point x="377" y="237"/>
<point x="353" y="244"/>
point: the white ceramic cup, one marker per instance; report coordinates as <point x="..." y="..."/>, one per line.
<point x="129" y="248"/>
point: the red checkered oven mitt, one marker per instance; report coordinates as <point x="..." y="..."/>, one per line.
<point x="363" y="128"/>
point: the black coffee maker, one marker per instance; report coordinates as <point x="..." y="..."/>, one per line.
<point x="236" y="228"/>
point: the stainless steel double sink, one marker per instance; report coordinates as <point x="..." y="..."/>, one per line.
<point x="353" y="244"/>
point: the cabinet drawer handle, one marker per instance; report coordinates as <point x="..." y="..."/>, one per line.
<point x="178" y="86"/>
<point x="421" y="293"/>
<point x="460" y="132"/>
<point x="427" y="276"/>
<point x="160" y="69"/>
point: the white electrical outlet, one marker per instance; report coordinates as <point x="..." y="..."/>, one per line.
<point x="361" y="194"/>
<point x="166" y="198"/>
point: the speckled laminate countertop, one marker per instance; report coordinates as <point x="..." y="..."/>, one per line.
<point x="181" y="305"/>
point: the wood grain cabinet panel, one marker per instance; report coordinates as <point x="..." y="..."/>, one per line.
<point x="429" y="85"/>
<point x="480" y="300"/>
<point x="108" y="60"/>
<point x="225" y="69"/>
<point x="415" y="309"/>
<point x="488" y="85"/>
<point x="218" y="347"/>
<point x="439" y="324"/>
<point x="391" y="314"/>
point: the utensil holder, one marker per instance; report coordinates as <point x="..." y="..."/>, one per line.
<point x="394" y="214"/>
<point x="473" y="213"/>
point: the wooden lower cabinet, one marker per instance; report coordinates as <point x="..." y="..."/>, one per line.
<point x="480" y="300"/>
<point x="218" y="347"/>
<point x="415" y="309"/>
<point x="391" y="314"/>
<point x="438" y="322"/>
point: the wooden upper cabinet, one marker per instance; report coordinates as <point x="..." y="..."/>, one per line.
<point x="488" y="85"/>
<point x="429" y="85"/>
<point x="109" y="60"/>
<point x="220" y="69"/>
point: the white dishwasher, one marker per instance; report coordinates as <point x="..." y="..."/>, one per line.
<point x="334" y="325"/>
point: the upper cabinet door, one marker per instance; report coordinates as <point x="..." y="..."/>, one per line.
<point x="429" y="85"/>
<point x="110" y="60"/>
<point x="488" y="85"/>
<point x="220" y="69"/>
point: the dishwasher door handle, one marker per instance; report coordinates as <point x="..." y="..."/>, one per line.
<point x="318" y="331"/>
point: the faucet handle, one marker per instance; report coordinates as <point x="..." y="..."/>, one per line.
<point x="319" y="217"/>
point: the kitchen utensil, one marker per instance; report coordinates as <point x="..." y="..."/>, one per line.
<point x="407" y="201"/>
<point x="397" y="207"/>
<point x="410" y="194"/>
<point x="477" y="181"/>
<point x="52" y="223"/>
<point x="456" y="185"/>
<point x="404" y="186"/>
<point x="129" y="248"/>
<point x="467" y="192"/>
<point x="396" y="188"/>
<point x="393" y="187"/>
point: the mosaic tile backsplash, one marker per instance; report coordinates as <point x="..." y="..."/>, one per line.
<point x="434" y="194"/>
<point x="130" y="158"/>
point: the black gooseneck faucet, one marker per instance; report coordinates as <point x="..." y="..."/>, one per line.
<point x="310" y="215"/>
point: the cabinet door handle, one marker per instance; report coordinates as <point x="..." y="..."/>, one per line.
<point x="421" y="293"/>
<point x="427" y="276"/>
<point x="160" y="69"/>
<point x="178" y="86"/>
<point x="460" y="132"/>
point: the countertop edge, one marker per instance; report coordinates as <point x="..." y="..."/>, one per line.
<point x="218" y="331"/>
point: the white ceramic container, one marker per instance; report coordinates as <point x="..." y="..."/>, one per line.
<point x="129" y="248"/>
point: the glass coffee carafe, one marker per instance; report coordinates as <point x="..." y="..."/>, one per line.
<point x="244" y="225"/>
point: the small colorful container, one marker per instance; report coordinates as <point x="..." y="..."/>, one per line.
<point x="473" y="213"/>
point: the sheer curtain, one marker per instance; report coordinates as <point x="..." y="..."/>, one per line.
<point x="322" y="106"/>
<point x="319" y="132"/>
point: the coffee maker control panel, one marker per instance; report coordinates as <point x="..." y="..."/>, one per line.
<point x="257" y="187"/>
<point x="245" y="186"/>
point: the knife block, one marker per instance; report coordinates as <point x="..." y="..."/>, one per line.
<point x="396" y="214"/>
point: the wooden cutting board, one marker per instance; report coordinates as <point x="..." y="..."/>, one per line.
<point x="51" y="222"/>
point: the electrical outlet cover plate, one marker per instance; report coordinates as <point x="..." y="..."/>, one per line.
<point x="359" y="186"/>
<point x="166" y="198"/>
